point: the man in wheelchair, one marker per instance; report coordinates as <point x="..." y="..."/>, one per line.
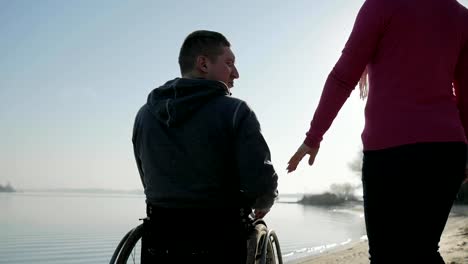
<point x="202" y="159"/>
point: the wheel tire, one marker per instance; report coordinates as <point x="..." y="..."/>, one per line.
<point x="119" y="247"/>
<point x="135" y="235"/>
<point x="255" y="243"/>
<point x="273" y="241"/>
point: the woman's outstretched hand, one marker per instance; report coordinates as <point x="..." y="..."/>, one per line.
<point x="300" y="153"/>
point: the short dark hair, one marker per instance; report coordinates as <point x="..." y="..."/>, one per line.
<point x="201" y="43"/>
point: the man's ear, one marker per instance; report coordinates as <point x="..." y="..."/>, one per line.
<point x="202" y="64"/>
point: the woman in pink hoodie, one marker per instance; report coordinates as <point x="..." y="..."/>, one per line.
<point x="415" y="55"/>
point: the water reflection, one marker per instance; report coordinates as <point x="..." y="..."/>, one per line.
<point x="86" y="227"/>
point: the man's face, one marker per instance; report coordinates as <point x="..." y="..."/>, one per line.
<point x="223" y="69"/>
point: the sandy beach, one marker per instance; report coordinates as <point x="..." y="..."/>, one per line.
<point x="453" y="247"/>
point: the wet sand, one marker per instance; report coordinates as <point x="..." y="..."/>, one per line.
<point x="453" y="247"/>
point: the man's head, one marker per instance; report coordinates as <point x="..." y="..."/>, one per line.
<point x="207" y="55"/>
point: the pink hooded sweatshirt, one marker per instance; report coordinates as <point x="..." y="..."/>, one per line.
<point x="416" y="53"/>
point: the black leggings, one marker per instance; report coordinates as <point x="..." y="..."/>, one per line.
<point x="408" y="194"/>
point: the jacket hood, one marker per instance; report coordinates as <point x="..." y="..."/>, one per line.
<point x="178" y="99"/>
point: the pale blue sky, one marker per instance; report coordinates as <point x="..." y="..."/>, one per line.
<point x="74" y="73"/>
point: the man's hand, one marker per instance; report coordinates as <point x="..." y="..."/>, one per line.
<point x="300" y="153"/>
<point x="260" y="213"/>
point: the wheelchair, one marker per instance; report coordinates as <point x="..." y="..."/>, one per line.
<point x="262" y="246"/>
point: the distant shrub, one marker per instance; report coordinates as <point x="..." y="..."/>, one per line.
<point x="6" y="188"/>
<point x="344" y="190"/>
<point x="325" y="199"/>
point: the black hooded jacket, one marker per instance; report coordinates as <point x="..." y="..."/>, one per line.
<point x="198" y="147"/>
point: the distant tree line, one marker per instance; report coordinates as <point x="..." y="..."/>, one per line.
<point x="337" y="195"/>
<point x="324" y="199"/>
<point x="7" y="188"/>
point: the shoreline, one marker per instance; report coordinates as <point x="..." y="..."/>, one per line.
<point x="453" y="247"/>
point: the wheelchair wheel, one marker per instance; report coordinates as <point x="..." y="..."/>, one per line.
<point x="129" y="249"/>
<point x="119" y="247"/>
<point x="263" y="246"/>
<point x="273" y="251"/>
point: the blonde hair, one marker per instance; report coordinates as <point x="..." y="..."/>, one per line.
<point x="364" y="85"/>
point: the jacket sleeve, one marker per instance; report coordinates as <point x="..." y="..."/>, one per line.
<point x="135" y="143"/>
<point x="461" y="87"/>
<point x="258" y="179"/>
